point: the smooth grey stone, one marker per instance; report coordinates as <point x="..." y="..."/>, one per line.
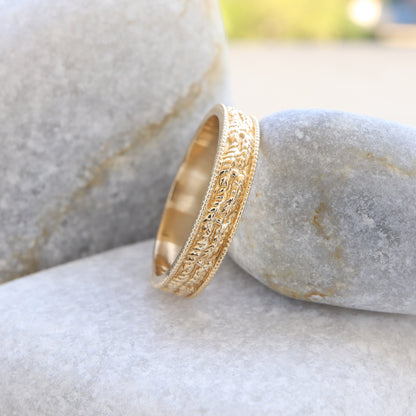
<point x="94" y="338"/>
<point x="331" y="217"/>
<point x="98" y="101"/>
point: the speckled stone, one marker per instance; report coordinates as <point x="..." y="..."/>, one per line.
<point x="94" y="338"/>
<point x="332" y="213"/>
<point x="98" y="101"/>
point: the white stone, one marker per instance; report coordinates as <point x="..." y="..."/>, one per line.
<point x="98" y="101"/>
<point x="331" y="217"/>
<point x="94" y="338"/>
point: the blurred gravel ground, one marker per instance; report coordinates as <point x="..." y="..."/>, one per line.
<point x="367" y="78"/>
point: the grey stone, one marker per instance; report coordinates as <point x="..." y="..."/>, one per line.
<point x="331" y="217"/>
<point x="94" y="338"/>
<point x="98" y="101"/>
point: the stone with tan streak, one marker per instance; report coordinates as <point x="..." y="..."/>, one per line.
<point x="331" y="217"/>
<point x="97" y="105"/>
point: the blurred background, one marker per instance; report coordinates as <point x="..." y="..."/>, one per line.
<point x="350" y="55"/>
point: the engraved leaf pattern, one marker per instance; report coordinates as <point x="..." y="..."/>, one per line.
<point x="222" y="208"/>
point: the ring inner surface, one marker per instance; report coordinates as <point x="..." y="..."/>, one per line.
<point x="186" y="196"/>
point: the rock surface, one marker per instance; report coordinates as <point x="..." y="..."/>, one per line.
<point x="96" y="97"/>
<point x="331" y="217"/>
<point x="94" y="338"/>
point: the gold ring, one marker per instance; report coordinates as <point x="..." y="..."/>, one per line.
<point x="206" y="201"/>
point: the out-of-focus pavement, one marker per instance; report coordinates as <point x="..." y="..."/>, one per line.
<point x="367" y="78"/>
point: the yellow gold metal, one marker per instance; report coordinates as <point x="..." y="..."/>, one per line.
<point x="205" y="202"/>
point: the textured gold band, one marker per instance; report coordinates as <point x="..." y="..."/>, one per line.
<point x="206" y="201"/>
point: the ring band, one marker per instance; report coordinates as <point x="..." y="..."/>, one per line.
<point x="206" y="201"/>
